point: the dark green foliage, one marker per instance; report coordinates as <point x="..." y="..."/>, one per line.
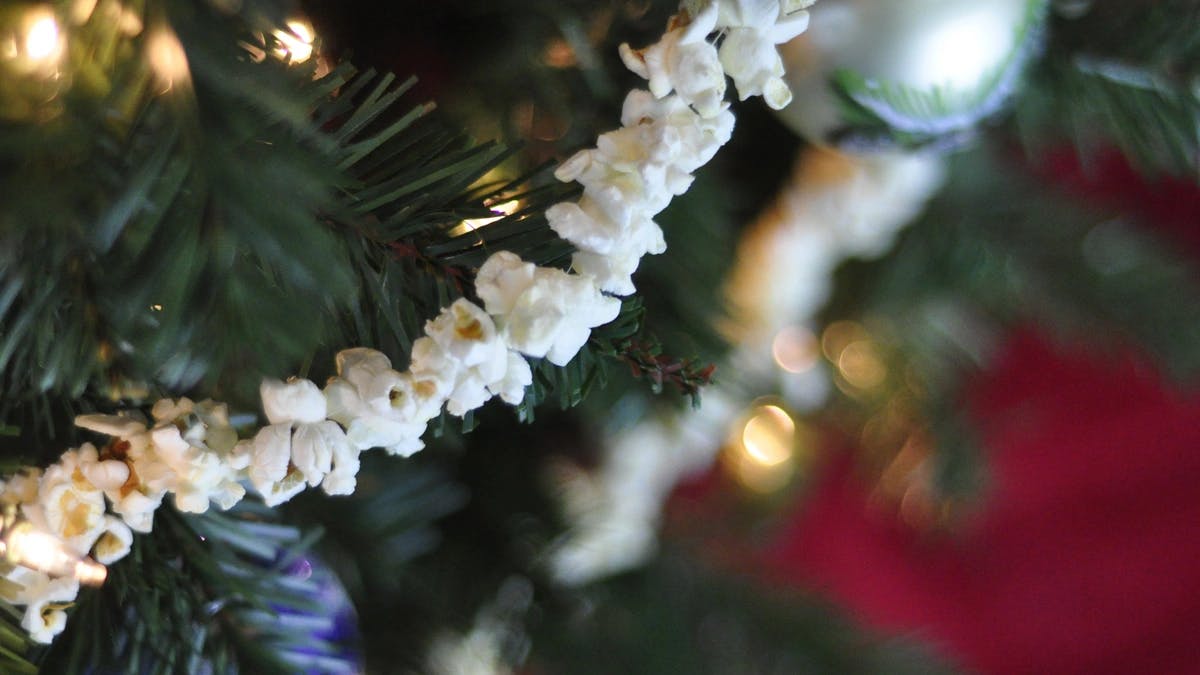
<point x="491" y="65"/>
<point x="426" y="541"/>
<point x="210" y="593"/>
<point x="675" y="616"/>
<point x="1123" y="74"/>
<point x="154" y="246"/>
<point x="253" y="198"/>
<point x="1038" y="256"/>
<point x="276" y="220"/>
<point x="15" y="644"/>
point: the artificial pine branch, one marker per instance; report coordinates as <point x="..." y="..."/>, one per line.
<point x="646" y="360"/>
<point x="15" y="645"/>
<point x="1121" y="75"/>
<point x="677" y="616"/>
<point x="206" y="593"/>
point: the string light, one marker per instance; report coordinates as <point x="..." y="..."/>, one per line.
<point x="22" y="544"/>
<point x="765" y="448"/>
<point x="167" y="57"/>
<point x="37" y="45"/>
<point x="41" y="40"/>
<point x="768" y="435"/>
<point x="295" y="43"/>
<point x="471" y="224"/>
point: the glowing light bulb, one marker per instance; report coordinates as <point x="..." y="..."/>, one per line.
<point x="41" y="39"/>
<point x="167" y="57"/>
<point x="295" y="43"/>
<point x="471" y="224"/>
<point x="38" y="44"/>
<point x="762" y="453"/>
<point x="23" y="545"/>
<point x="768" y="435"/>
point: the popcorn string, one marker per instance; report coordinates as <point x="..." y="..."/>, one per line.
<point x="93" y="499"/>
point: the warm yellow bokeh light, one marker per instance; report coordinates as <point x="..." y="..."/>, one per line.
<point x="41" y="39"/>
<point x="38" y="550"/>
<point x="861" y="364"/>
<point x="768" y="435"/>
<point x="296" y="43"/>
<point x="759" y="477"/>
<point x="90" y="573"/>
<point x="795" y="349"/>
<point x="471" y="224"/>
<point x="167" y="57"/>
<point x="763" y="449"/>
<point x="837" y="335"/>
<point x="37" y="44"/>
<point x="25" y="546"/>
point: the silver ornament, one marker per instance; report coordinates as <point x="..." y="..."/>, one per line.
<point x="927" y="67"/>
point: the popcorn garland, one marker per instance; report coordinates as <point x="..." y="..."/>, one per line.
<point x="834" y="207"/>
<point x="468" y="354"/>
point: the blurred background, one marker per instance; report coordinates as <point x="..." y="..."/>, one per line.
<point x="914" y="387"/>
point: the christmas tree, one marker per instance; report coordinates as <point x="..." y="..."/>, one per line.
<point x="302" y="372"/>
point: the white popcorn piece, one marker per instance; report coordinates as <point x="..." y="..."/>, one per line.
<point x="114" y="542"/>
<point x="68" y="505"/>
<point x="517" y="376"/>
<point x="553" y="312"/>
<point x="297" y="400"/>
<point x="698" y="138"/>
<point x="750" y="58"/>
<point x="270" y="470"/>
<point x="343" y="476"/>
<point x="299" y="446"/>
<point x="683" y="61"/>
<point x="44" y="599"/>
<point x="612" y="273"/>
<point x="752" y="29"/>
<point x="465" y="334"/>
<point x="313" y="448"/>
<point x="367" y="429"/>
<point x="501" y="281"/>
<point x="139" y="497"/>
<point x="196" y="442"/>
<point x="590" y="228"/>
<point x="378" y="406"/>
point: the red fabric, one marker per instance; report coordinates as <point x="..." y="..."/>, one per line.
<point x="1085" y="556"/>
